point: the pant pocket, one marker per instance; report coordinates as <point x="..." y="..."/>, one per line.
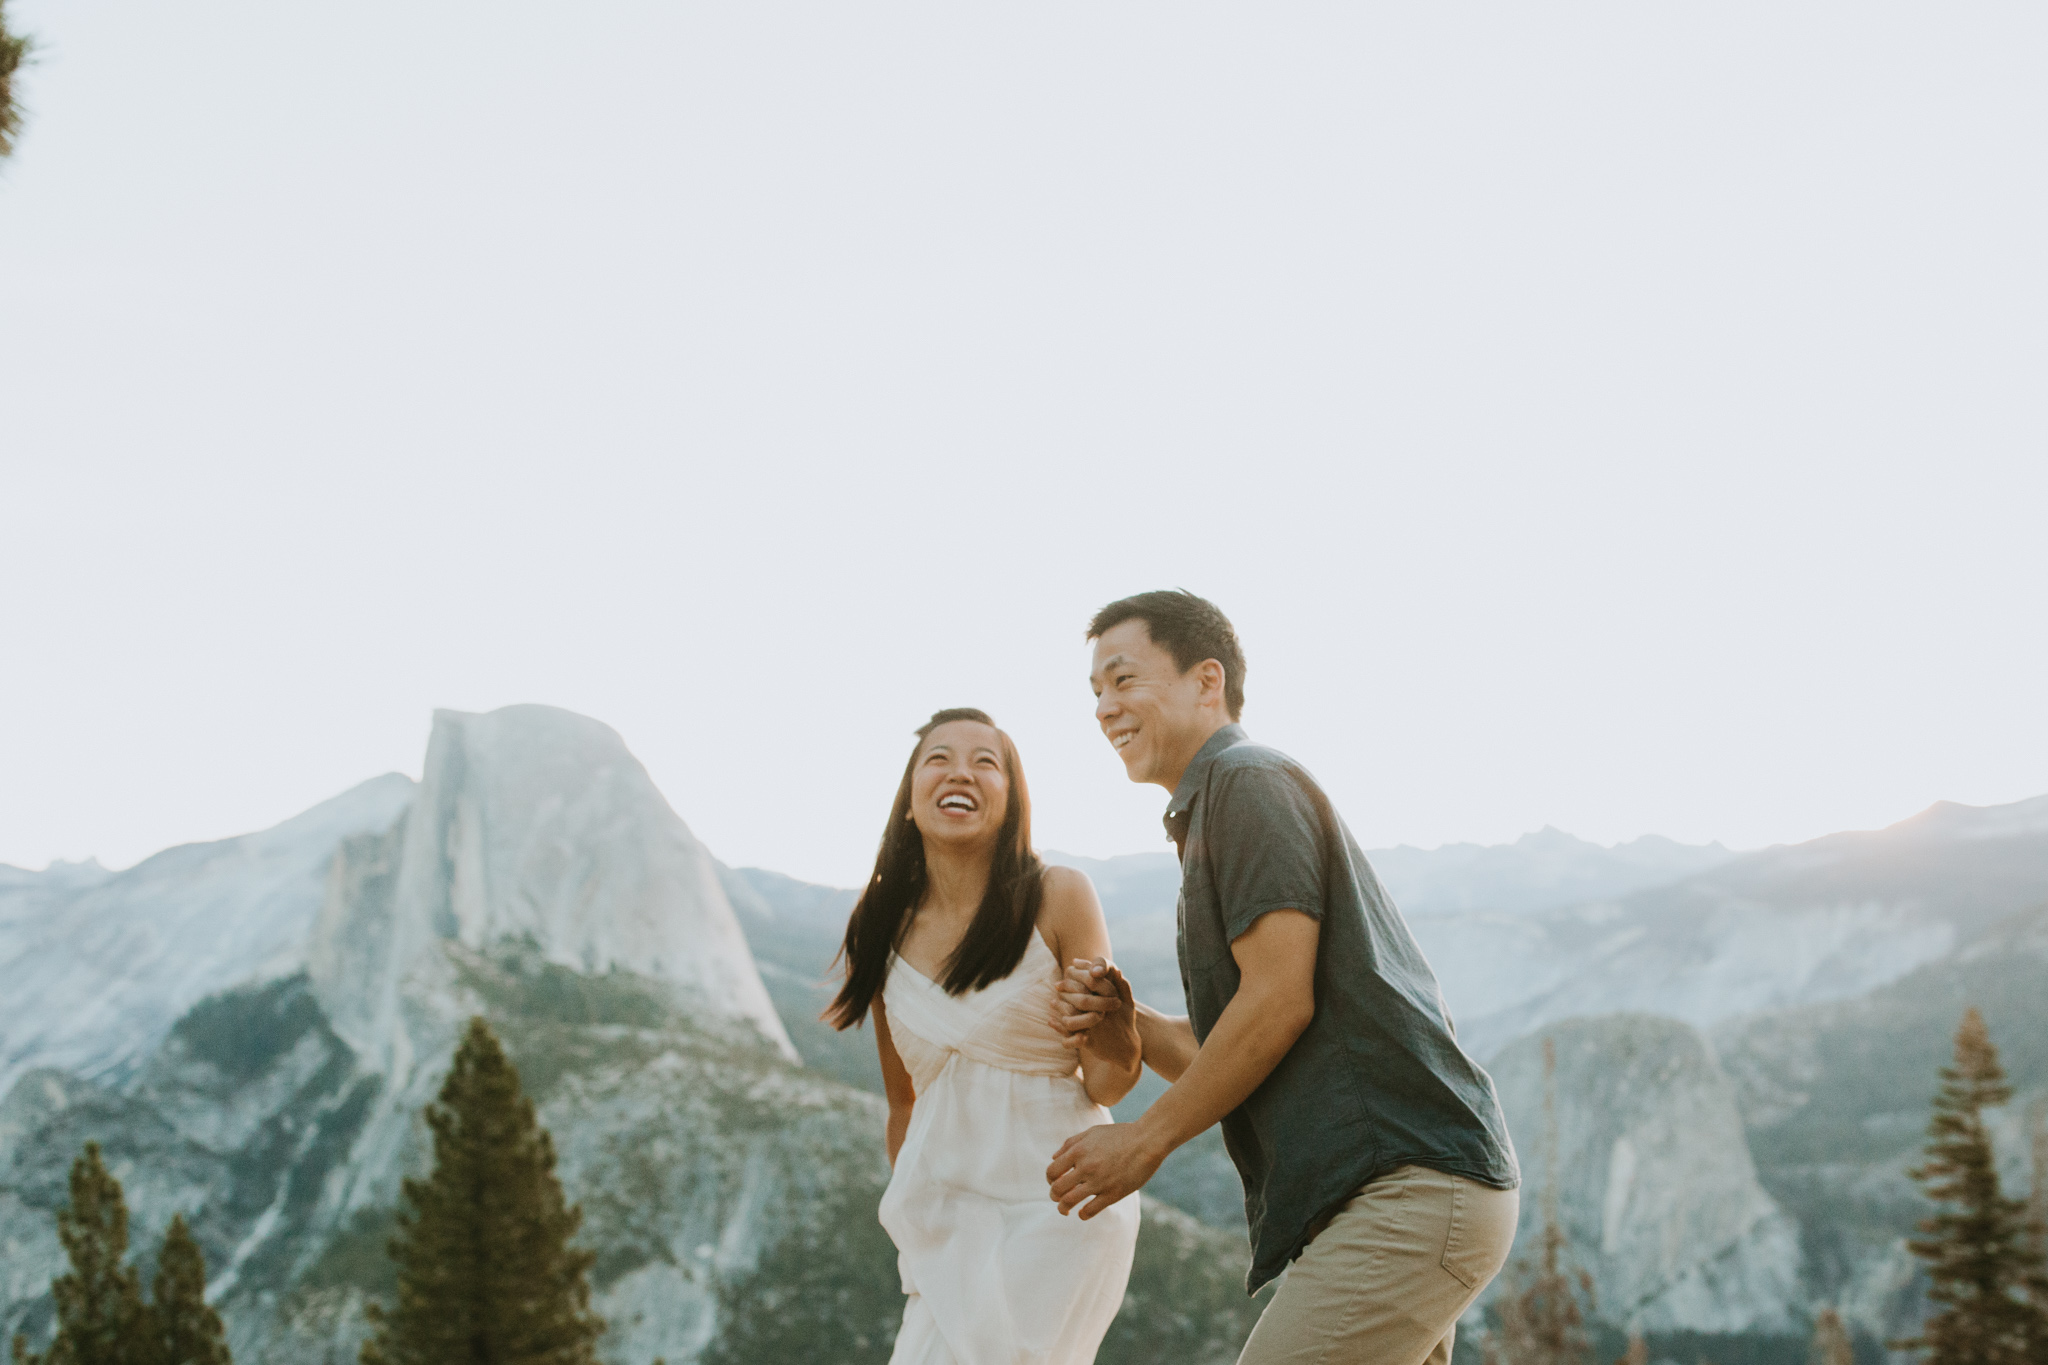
<point x="1482" y="1231"/>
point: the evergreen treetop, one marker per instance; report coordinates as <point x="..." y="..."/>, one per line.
<point x="14" y="51"/>
<point x="183" y="1328"/>
<point x="100" y="1313"/>
<point x="1831" y="1344"/>
<point x="486" y="1275"/>
<point x="1542" y="1320"/>
<point x="1980" y="1263"/>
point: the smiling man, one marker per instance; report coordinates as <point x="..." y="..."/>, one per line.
<point x="1372" y="1149"/>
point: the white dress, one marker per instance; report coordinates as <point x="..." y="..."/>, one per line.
<point x="995" y="1275"/>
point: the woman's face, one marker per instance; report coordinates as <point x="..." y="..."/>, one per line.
<point x="959" y="791"/>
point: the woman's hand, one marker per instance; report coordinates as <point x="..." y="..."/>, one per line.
<point x="1093" y="1010"/>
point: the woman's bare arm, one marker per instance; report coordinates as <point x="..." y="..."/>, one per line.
<point x="1072" y="917"/>
<point x="895" y="1082"/>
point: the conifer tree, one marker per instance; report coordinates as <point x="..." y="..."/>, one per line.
<point x="14" y="51"/>
<point x="1542" y="1321"/>
<point x="1979" y="1262"/>
<point x="1831" y="1344"/>
<point x="183" y="1329"/>
<point x="100" y="1314"/>
<point x="1638" y="1352"/>
<point x="486" y="1275"/>
<point x="2037" y="1206"/>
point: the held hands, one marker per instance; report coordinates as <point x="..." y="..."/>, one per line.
<point x="1093" y="1008"/>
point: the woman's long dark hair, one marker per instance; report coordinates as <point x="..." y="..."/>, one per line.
<point x="1003" y="924"/>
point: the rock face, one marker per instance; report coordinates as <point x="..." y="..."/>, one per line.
<point x="1655" y="1187"/>
<point x="1836" y="1101"/>
<point x="99" y="965"/>
<point x="537" y="825"/>
<point x="250" y="1029"/>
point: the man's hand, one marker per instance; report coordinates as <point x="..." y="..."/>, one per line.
<point x="1093" y="1008"/>
<point x="1096" y="1168"/>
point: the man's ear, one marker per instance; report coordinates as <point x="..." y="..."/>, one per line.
<point x="1212" y="677"/>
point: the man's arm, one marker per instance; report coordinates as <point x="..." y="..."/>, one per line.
<point x="1168" y="1041"/>
<point x="1274" y="1003"/>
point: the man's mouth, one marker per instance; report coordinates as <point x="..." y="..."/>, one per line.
<point x="958" y="801"/>
<point x="1122" y="739"/>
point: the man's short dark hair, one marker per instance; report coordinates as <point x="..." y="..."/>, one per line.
<point x="1188" y="627"/>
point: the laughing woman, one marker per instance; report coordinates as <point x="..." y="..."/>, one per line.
<point x="954" y="948"/>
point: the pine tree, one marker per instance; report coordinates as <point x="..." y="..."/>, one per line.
<point x="1638" y="1352"/>
<point x="1831" y="1344"/>
<point x="1979" y="1262"/>
<point x="183" y="1329"/>
<point x="2037" y="1206"/>
<point x="14" y="51"/>
<point x="486" y="1275"/>
<point x="1543" y="1320"/>
<point x="100" y="1314"/>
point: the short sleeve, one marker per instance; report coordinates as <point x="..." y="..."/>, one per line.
<point x="1264" y="830"/>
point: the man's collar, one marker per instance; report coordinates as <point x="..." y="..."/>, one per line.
<point x="1198" y="768"/>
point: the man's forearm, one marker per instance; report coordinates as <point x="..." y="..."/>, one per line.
<point x="1169" y="1041"/>
<point x="1249" y="1040"/>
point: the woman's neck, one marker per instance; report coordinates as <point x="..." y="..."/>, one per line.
<point x="955" y="879"/>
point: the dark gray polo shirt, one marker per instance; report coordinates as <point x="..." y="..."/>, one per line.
<point x="1377" y="1081"/>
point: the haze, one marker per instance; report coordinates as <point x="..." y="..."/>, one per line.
<point x="1622" y="418"/>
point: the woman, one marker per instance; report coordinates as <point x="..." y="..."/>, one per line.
<point x="954" y="948"/>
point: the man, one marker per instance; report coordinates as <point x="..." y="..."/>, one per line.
<point x="1372" y="1149"/>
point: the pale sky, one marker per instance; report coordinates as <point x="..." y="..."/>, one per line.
<point x="1625" y="418"/>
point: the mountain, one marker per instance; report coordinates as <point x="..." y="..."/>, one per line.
<point x="1831" y="919"/>
<point x="98" y="965"/>
<point x="536" y="825"/>
<point x="1835" y="1100"/>
<point x="1538" y="871"/>
<point x="1655" y="1185"/>
<point x="257" y="1024"/>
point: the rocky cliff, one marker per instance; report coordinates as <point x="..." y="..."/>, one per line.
<point x="1654" y="1184"/>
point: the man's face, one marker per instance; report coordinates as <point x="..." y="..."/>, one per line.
<point x="1151" y="713"/>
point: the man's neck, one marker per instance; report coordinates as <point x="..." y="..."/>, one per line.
<point x="1198" y="738"/>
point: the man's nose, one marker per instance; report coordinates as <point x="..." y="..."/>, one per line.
<point x="1105" y="707"/>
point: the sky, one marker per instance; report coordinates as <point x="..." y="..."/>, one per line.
<point x="1623" y="418"/>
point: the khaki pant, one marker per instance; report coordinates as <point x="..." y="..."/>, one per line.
<point x="1385" y="1281"/>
